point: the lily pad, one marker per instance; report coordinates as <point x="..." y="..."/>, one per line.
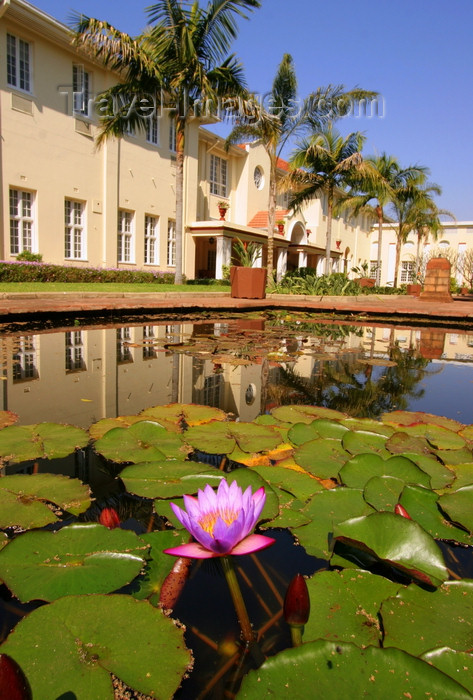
<point x="459" y="506"/>
<point x="456" y="664"/>
<point x="397" y="541"/>
<point x="418" y="620"/>
<point x="360" y="441"/>
<point x="421" y="504"/>
<point x="368" y="424"/>
<point x="166" y="479"/>
<point x="80" y="558"/>
<point x="7" y="418"/>
<point x="19" y="443"/>
<point x="340" y="670"/>
<point x="440" y="475"/>
<point x="221" y="438"/>
<point x="413" y="417"/>
<point x="360" y="469"/>
<point x="326" y="509"/>
<point x="438" y="436"/>
<point x="179" y="416"/>
<point x="24" y="499"/>
<point x="322" y="458"/>
<point x="75" y="643"/>
<point x="158" y="565"/>
<point x="301" y="485"/>
<point x="144" y="441"/>
<point x="320" y="427"/>
<point x="382" y="492"/>
<point x="344" y="606"/>
<point x="305" y="414"/>
<point x="401" y="442"/>
<point x="98" y="430"/>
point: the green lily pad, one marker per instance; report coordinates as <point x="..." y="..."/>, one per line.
<point x="360" y="469"/>
<point x="453" y="457"/>
<point x="144" y="441"/>
<point x="321" y="427"/>
<point x="344" y="606"/>
<point x="73" y="645"/>
<point x="440" y="475"/>
<point x="415" y="417"/>
<point x="166" y="479"/>
<point x="301" y="485"/>
<point x="467" y="432"/>
<point x="305" y="414"/>
<point x="322" y="458"/>
<point x="368" y="425"/>
<point x="459" y="506"/>
<point x="421" y="504"/>
<point x="438" y="436"/>
<point x="179" y="416"/>
<point x="80" y="558"/>
<point x="158" y="565"/>
<point x="418" y="620"/>
<point x="40" y="441"/>
<point x="221" y="438"/>
<point x="98" y="430"/>
<point x="382" y="492"/>
<point x="340" y="670"/>
<point x="399" y="542"/>
<point x="456" y="664"/>
<point x="359" y="442"/>
<point x="24" y="499"/>
<point x="463" y="475"/>
<point x="326" y="509"/>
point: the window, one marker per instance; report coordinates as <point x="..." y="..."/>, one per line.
<point x="172" y="136"/>
<point x="123" y="346"/>
<point x="74" y="351"/>
<point x="212" y="390"/>
<point x="125" y="236"/>
<point x="374" y="269"/>
<point x="24" y="359"/>
<point x="171" y="252"/>
<point x="21" y="221"/>
<point x="151" y="240"/>
<point x="80" y="90"/>
<point x="218" y="176"/>
<point x="149" y="339"/>
<point x="407" y="272"/>
<point x="74" y="238"/>
<point x="152" y="130"/>
<point x="18" y="63"/>
<point x="258" y="178"/>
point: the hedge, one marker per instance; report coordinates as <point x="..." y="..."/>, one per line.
<point x="45" y="272"/>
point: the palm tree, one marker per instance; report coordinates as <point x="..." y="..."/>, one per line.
<point x="324" y="163"/>
<point x="425" y="217"/>
<point x="181" y="59"/>
<point x="372" y="194"/>
<point x="275" y="126"/>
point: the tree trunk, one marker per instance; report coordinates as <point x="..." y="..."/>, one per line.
<point x="379" y="211"/>
<point x="398" y="256"/>
<point x="180" y="137"/>
<point x="271" y="217"/>
<point x="328" y="245"/>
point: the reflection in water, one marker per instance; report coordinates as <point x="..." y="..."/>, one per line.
<point x="244" y="366"/>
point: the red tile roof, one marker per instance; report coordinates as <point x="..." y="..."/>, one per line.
<point x="261" y="218"/>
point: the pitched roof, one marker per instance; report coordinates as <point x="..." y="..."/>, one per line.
<point x="261" y="218"/>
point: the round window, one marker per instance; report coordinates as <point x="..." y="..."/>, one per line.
<point x="258" y="177"/>
<point x="250" y="394"/>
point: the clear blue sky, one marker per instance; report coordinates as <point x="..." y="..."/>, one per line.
<point x="415" y="53"/>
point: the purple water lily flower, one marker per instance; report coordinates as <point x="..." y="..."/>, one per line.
<point x="221" y="521"/>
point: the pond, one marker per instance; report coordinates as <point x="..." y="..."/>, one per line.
<point x="361" y="437"/>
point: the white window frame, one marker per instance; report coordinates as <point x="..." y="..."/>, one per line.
<point x="22" y="220"/>
<point x="407" y="271"/>
<point x="152" y="130"/>
<point x="124" y="339"/>
<point x="80" y="90"/>
<point x="149" y="339"/>
<point x="74" y="351"/>
<point x="218" y="176"/>
<point x="151" y="253"/>
<point x="171" y="243"/>
<point x="25" y="359"/>
<point x="19" y="64"/>
<point x="125" y="238"/>
<point x="74" y="230"/>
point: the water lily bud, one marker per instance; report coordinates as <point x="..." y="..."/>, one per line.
<point x="13" y="683"/>
<point x="297" y="602"/>
<point x="109" y="518"/>
<point x="400" y="510"/>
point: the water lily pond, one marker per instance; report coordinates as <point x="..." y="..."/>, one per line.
<point x="360" y="437"/>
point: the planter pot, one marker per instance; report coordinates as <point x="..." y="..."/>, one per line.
<point x="414" y="290"/>
<point x="280" y="228"/>
<point x="223" y="212"/>
<point x="248" y="282"/>
<point x="366" y="281"/>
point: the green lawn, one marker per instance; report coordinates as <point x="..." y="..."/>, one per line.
<point x="102" y="288"/>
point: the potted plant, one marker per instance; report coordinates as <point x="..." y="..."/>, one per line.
<point x="280" y="224"/>
<point x="222" y="209"/>
<point x="247" y="282"/>
<point x="363" y="280"/>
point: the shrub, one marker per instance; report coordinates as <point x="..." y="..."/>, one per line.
<point x="45" y="272"/>
<point x="28" y="256"/>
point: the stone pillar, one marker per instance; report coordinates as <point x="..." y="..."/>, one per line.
<point x="224" y="254"/>
<point x="437" y="281"/>
<point x="281" y="263"/>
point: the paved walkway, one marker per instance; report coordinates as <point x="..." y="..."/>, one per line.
<point x="64" y="305"/>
